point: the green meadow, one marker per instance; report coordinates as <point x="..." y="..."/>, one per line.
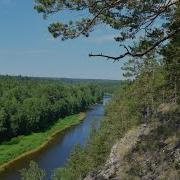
<point x="25" y="145"/>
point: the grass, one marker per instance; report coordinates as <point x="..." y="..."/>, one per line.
<point x="22" y="146"/>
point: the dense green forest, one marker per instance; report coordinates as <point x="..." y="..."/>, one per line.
<point x="151" y="96"/>
<point x="147" y="33"/>
<point x="32" y="105"/>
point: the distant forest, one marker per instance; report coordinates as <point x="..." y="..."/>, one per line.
<point x="33" y="104"/>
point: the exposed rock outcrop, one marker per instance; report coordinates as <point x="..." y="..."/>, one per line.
<point x="118" y="152"/>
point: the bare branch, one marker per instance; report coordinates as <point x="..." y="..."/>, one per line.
<point x="137" y="54"/>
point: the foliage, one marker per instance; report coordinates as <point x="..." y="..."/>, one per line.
<point x="33" y="173"/>
<point x="171" y="62"/>
<point x="17" y="146"/>
<point x="136" y="102"/>
<point x="156" y="155"/>
<point x="124" y="112"/>
<point x="153" y="26"/>
<point x="28" y="105"/>
<point x="146" y="23"/>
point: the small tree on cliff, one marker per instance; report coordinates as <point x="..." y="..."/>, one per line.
<point x="33" y="173"/>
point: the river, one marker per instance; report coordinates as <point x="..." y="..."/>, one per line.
<point x="58" y="152"/>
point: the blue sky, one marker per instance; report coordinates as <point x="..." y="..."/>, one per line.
<point x="27" y="48"/>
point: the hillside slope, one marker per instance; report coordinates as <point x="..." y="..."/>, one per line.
<point x="149" y="151"/>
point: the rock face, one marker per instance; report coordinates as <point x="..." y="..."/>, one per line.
<point x="119" y="150"/>
<point x="150" y="151"/>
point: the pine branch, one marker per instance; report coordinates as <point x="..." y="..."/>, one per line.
<point x="137" y="54"/>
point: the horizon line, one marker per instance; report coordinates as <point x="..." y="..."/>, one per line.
<point x="78" y="78"/>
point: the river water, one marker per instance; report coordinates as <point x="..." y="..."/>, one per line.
<point x="58" y="152"/>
